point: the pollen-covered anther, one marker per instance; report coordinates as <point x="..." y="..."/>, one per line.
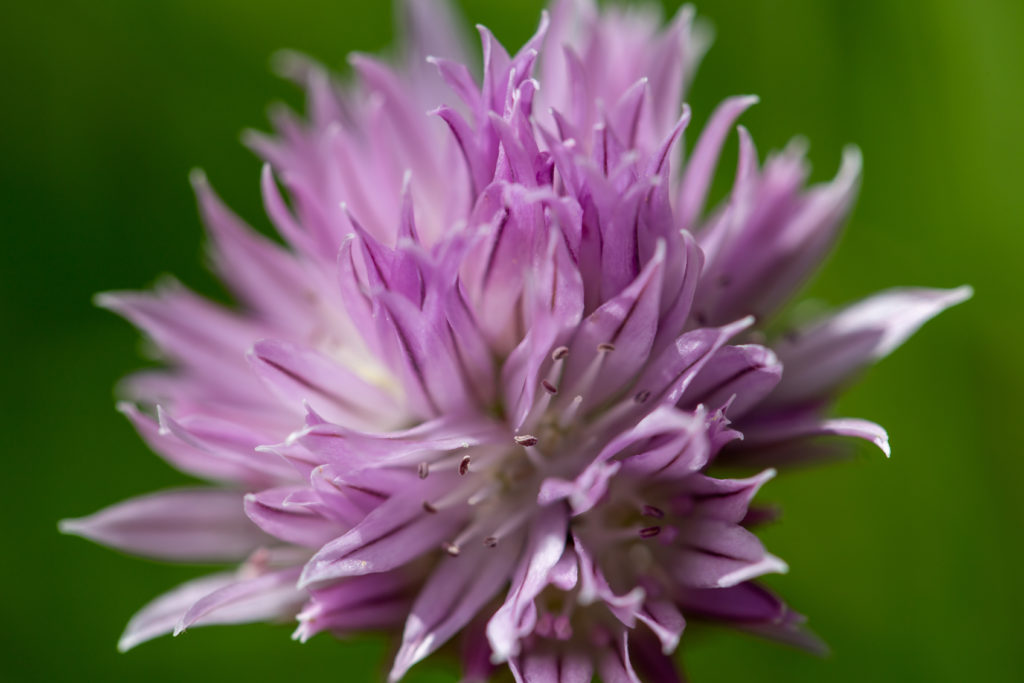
<point x="526" y="440"/>
<point x="428" y="507"/>
<point x="560" y="353"/>
<point x="464" y="465"/>
<point x="451" y="549"/>
<point x="605" y="347"/>
<point x="650" y="531"/>
<point x="549" y="387"/>
<point x="423" y="470"/>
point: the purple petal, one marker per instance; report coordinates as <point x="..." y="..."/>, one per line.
<point x="821" y="358"/>
<point x="353" y="450"/>
<point x="701" y="167"/>
<point x="717" y="554"/>
<point x="222" y="465"/>
<point x="301" y="375"/>
<point x="268" y="597"/>
<point x="265" y="276"/>
<point x="614" y="664"/>
<point x="373" y="601"/>
<point x="160" y="616"/>
<point x="582" y="493"/>
<point x="788" y="426"/>
<point x="668" y="376"/>
<point x="745" y="602"/>
<point x="454" y="593"/>
<point x="515" y="618"/>
<point x="745" y="374"/>
<point x="195" y="333"/>
<point x="666" y="443"/>
<point x="185" y="525"/>
<point x="724" y="499"/>
<point x="628" y="323"/>
<point x="274" y="512"/>
<point x="393" y="534"/>
<point x="552" y="667"/>
<point x="665" y="620"/>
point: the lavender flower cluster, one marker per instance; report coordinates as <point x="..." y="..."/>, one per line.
<point x="479" y="393"/>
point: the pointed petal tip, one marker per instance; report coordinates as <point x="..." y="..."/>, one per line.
<point x="853" y="155"/>
<point x="958" y="295"/>
<point x="197" y="178"/>
<point x="769" y="564"/>
<point x="113" y="301"/>
<point x="72" y="526"/>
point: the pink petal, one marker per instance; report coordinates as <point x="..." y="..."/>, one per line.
<point x="263" y="598"/>
<point x="821" y="358"/>
<point x="185" y="525"/>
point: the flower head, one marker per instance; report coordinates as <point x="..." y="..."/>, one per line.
<point x="480" y="391"/>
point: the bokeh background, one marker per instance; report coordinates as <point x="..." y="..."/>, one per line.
<point x="909" y="568"/>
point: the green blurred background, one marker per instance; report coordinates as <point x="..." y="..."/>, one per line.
<point x="908" y="568"/>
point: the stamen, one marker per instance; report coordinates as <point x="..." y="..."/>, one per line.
<point x="512" y="522"/>
<point x="525" y="440"/>
<point x="584" y="383"/>
<point x="490" y="542"/>
<point x="650" y="531"/>
<point x="427" y="507"/>
<point x="560" y="353"/>
<point x="550" y="385"/>
<point x="464" y="465"/>
<point x="570" y="413"/>
<point x="451" y="549"/>
<point x="423" y="470"/>
<point x="482" y="494"/>
<point x="642" y="396"/>
<point x="606" y="347"/>
<point x="651" y="511"/>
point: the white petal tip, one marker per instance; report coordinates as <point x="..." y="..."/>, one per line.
<point x="72" y="527"/>
<point x="197" y="177"/>
<point x="959" y="295"/>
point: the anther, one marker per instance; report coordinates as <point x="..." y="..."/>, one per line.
<point x="605" y="347"/>
<point x="423" y="470"/>
<point x="464" y="465"/>
<point x="642" y="396"/>
<point x="549" y="387"/>
<point x="526" y="440"/>
<point x="560" y="353"/>
<point x="451" y="549"/>
<point x="427" y="507"/>
<point x="490" y="542"/>
<point x="650" y="531"/>
<point x="651" y="511"/>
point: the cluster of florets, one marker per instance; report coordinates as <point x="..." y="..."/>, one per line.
<point x="479" y="392"/>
